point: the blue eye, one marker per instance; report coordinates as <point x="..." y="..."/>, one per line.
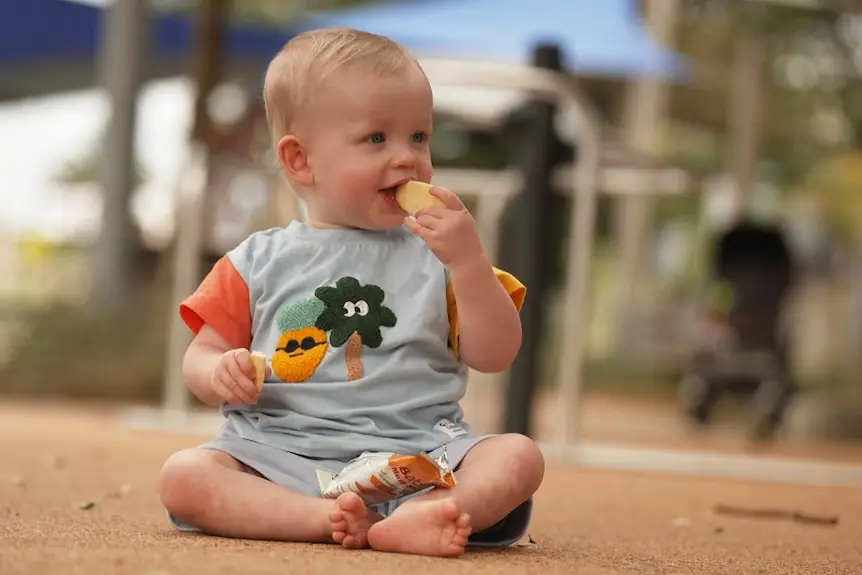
<point x="376" y="138"/>
<point x="419" y="137"/>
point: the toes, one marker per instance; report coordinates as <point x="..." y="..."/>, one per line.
<point x="454" y="550"/>
<point x="353" y="542"/>
<point x="349" y="521"/>
<point x="464" y="521"/>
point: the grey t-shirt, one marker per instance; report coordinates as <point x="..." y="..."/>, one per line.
<point x="356" y="327"/>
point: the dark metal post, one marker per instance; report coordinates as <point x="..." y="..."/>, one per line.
<point x="533" y="245"/>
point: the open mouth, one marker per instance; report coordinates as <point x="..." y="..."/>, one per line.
<point x="389" y="196"/>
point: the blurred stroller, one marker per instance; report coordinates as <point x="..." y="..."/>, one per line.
<point x="742" y="348"/>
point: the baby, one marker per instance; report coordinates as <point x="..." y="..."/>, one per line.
<point x="371" y="321"/>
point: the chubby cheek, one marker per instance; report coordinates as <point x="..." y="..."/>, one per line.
<point x="425" y="170"/>
<point x="361" y="186"/>
<point x="340" y="176"/>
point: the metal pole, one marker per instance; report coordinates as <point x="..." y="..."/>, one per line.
<point x="646" y="103"/>
<point x="533" y="247"/>
<point x="582" y="236"/>
<point x="745" y="118"/>
<point x="582" y="216"/>
<point x="122" y="54"/>
<point x="190" y="213"/>
<point x="186" y="272"/>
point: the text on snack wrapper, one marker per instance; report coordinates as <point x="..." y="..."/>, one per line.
<point x="405" y="477"/>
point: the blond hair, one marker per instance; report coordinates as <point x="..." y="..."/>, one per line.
<point x="310" y="57"/>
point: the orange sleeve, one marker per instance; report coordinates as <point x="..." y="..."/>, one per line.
<point x="516" y="290"/>
<point x="222" y="302"/>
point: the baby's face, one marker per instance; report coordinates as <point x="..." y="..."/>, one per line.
<point x="367" y="134"/>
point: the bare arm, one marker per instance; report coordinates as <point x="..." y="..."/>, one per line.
<point x="200" y="362"/>
<point x="488" y="320"/>
<point x="489" y="324"/>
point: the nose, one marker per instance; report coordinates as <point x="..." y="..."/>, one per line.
<point x="404" y="157"/>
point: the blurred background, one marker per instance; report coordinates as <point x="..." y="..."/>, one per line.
<point x="725" y="293"/>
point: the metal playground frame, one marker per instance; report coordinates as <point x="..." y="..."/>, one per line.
<point x="492" y="190"/>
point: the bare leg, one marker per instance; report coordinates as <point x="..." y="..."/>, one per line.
<point x="494" y="478"/>
<point x="216" y="493"/>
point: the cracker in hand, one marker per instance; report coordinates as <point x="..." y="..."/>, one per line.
<point x="415" y="196"/>
<point x="259" y="361"/>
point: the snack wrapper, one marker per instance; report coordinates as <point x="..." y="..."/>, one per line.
<point x="378" y="477"/>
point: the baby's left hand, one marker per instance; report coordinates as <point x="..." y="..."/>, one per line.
<point x="449" y="231"/>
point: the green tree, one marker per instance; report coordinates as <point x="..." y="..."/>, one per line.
<point x="813" y="81"/>
<point x="354" y="315"/>
<point x="836" y="184"/>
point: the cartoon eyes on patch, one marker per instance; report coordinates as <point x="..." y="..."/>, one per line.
<point x="351" y="308"/>
<point x="307" y="344"/>
<point x="353" y="315"/>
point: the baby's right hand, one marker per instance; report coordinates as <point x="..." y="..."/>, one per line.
<point x="233" y="378"/>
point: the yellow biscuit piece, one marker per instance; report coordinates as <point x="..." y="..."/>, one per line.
<point x="415" y="196"/>
<point x="259" y="362"/>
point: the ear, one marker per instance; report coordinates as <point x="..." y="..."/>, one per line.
<point x="293" y="158"/>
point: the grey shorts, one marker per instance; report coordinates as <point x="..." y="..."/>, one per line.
<point x="297" y="473"/>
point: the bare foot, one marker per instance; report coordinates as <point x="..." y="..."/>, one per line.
<point x="435" y="527"/>
<point x="351" y="520"/>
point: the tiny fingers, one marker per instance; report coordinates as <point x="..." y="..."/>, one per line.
<point x="222" y="389"/>
<point x="233" y="390"/>
<point x="414" y="226"/>
<point x="240" y="383"/>
<point x="449" y="198"/>
<point x="428" y="221"/>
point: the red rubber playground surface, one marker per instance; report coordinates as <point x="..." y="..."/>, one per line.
<point x="78" y="495"/>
